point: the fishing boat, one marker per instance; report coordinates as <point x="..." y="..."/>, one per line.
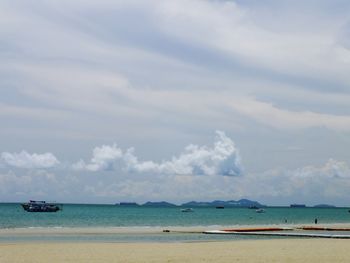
<point x="260" y="210"/>
<point x="40" y="206"/>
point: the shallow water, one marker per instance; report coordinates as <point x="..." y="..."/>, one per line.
<point x="12" y="216"/>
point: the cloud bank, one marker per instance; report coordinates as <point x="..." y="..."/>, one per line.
<point x="221" y="159"/>
<point x="326" y="183"/>
<point x="29" y="161"/>
<point x="314" y="184"/>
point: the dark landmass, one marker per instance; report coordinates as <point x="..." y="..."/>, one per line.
<point x="297" y="205"/>
<point x="324" y="206"/>
<point x="216" y="203"/>
<point x="163" y="203"/>
<point x="231" y="203"/>
<point x="128" y="204"/>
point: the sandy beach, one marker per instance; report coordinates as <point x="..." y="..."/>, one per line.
<point x="251" y="250"/>
<point x="282" y="250"/>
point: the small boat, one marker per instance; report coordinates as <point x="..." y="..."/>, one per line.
<point x="220" y="207"/>
<point x="186" y="210"/>
<point x="40" y="206"/>
<point x="260" y="210"/>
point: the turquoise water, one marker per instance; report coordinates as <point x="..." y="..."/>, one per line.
<point x="91" y="216"/>
<point x="13" y="216"/>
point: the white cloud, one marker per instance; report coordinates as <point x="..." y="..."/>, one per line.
<point x="221" y="159"/>
<point x="104" y="158"/>
<point x="29" y="161"/>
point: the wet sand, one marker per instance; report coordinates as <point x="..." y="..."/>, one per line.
<point x="145" y="230"/>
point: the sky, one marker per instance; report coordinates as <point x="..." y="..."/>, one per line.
<point x="112" y="101"/>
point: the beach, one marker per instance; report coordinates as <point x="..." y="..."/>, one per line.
<point x="50" y="247"/>
<point x="95" y="233"/>
<point x="276" y="250"/>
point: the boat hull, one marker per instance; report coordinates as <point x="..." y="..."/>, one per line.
<point x="32" y="207"/>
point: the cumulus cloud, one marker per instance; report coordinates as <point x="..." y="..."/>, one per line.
<point x="28" y="161"/>
<point x="221" y="159"/>
<point x="103" y="158"/>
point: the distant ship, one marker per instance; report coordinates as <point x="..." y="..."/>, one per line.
<point x="297" y="205"/>
<point x="40" y="206"/>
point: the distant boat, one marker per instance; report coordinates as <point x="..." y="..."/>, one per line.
<point x="186" y="210"/>
<point x="220" y="207"/>
<point x="297" y="205"/>
<point x="253" y="207"/>
<point x="40" y="206"/>
<point x="260" y="210"/>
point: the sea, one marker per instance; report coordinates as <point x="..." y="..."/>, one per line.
<point x="89" y="216"/>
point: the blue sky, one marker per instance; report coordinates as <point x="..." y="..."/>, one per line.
<point x="109" y="101"/>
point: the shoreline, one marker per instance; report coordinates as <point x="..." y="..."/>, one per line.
<point x="151" y="229"/>
<point x="173" y="234"/>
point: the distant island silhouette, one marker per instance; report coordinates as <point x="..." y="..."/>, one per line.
<point x="216" y="203"/>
